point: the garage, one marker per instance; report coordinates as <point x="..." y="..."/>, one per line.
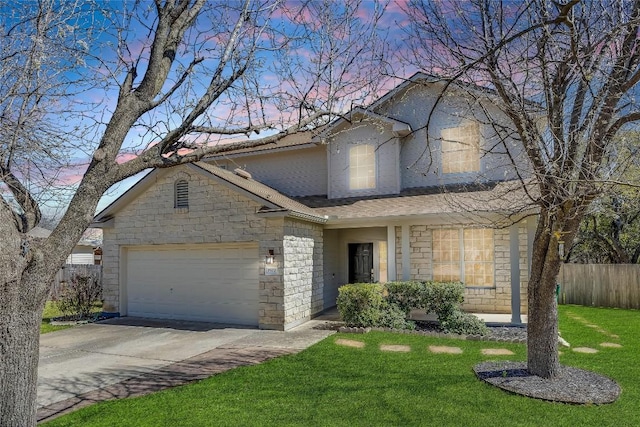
<point x="211" y="283"/>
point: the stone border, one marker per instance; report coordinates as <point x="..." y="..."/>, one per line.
<point x="361" y="330"/>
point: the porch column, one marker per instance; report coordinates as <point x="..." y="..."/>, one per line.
<point x="514" y="255"/>
<point x="406" y="253"/>
<point x="392" y="275"/>
<point x="532" y="224"/>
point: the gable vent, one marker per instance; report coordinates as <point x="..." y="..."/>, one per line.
<point x="182" y="194"/>
<point x="242" y="173"/>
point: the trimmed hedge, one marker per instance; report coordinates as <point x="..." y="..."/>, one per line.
<point x="389" y="304"/>
<point x="365" y="304"/>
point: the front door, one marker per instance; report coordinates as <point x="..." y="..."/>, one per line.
<point x="360" y="262"/>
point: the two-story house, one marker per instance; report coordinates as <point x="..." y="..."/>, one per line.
<point x="265" y="236"/>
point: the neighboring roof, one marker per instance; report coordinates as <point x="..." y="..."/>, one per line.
<point x="274" y="201"/>
<point x="277" y="200"/>
<point x="506" y="198"/>
<point x="91" y="237"/>
<point x="39" y="233"/>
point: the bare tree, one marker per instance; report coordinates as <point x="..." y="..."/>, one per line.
<point x="565" y="73"/>
<point x="187" y="73"/>
<point x="610" y="231"/>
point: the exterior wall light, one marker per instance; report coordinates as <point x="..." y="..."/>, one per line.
<point x="268" y="259"/>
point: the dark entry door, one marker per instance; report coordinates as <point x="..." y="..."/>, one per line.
<point x="360" y="262"/>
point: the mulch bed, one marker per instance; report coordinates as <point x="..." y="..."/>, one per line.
<point x="572" y="385"/>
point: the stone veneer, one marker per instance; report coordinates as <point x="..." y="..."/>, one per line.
<point x="218" y="214"/>
<point x="303" y="274"/>
<point x="493" y="299"/>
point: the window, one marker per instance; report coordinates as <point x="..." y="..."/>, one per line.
<point x="181" y="194"/>
<point x="465" y="255"/>
<point x="461" y="149"/>
<point x="362" y="167"/>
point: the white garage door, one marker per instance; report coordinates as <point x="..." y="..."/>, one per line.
<point x="212" y="283"/>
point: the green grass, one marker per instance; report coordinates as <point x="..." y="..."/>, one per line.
<point x="330" y="385"/>
<point x="50" y="311"/>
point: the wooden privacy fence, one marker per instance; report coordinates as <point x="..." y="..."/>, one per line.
<point x="600" y="285"/>
<point x="66" y="272"/>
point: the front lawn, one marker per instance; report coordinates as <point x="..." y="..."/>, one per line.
<point x="335" y="385"/>
<point x="50" y="312"/>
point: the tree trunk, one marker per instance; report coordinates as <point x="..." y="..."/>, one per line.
<point x="22" y="298"/>
<point x="542" y="325"/>
<point x="19" y="351"/>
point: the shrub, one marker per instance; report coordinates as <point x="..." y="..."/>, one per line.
<point x="364" y="304"/>
<point x="405" y="295"/>
<point x="394" y="317"/>
<point x="360" y="303"/>
<point x="388" y="305"/>
<point x="459" y="322"/>
<point x="441" y="298"/>
<point x="76" y="298"/>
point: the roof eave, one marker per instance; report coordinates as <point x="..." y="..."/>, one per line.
<point x="439" y="218"/>
<point x="276" y="213"/>
<point x="398" y="128"/>
<point x="232" y="155"/>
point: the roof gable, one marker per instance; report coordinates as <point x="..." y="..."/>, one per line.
<point x="398" y="127"/>
<point x="273" y="202"/>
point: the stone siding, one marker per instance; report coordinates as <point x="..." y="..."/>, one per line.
<point x="303" y="273"/>
<point x="491" y="299"/>
<point x="218" y="214"/>
<point x="496" y="299"/>
<point x="420" y="242"/>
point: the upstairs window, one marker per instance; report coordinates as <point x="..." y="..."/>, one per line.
<point x="181" y="194"/>
<point x="362" y="167"/>
<point x="461" y="149"/>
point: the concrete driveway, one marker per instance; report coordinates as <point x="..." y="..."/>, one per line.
<point x="129" y="356"/>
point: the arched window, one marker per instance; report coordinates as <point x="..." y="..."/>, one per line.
<point x="181" y="194"/>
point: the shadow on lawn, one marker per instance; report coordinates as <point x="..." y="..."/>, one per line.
<point x="133" y="383"/>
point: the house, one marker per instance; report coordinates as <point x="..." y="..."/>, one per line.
<point x="265" y="236"/>
<point x="86" y="251"/>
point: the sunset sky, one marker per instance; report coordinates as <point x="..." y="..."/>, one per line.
<point x="226" y="111"/>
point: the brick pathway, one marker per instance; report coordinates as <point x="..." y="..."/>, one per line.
<point x="196" y="368"/>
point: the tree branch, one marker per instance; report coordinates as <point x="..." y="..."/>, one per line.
<point x="30" y="216"/>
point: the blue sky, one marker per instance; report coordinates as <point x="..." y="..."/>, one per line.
<point x="102" y="102"/>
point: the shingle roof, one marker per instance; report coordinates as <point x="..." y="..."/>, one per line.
<point x="278" y="200"/>
<point x="504" y="197"/>
<point x="293" y="140"/>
